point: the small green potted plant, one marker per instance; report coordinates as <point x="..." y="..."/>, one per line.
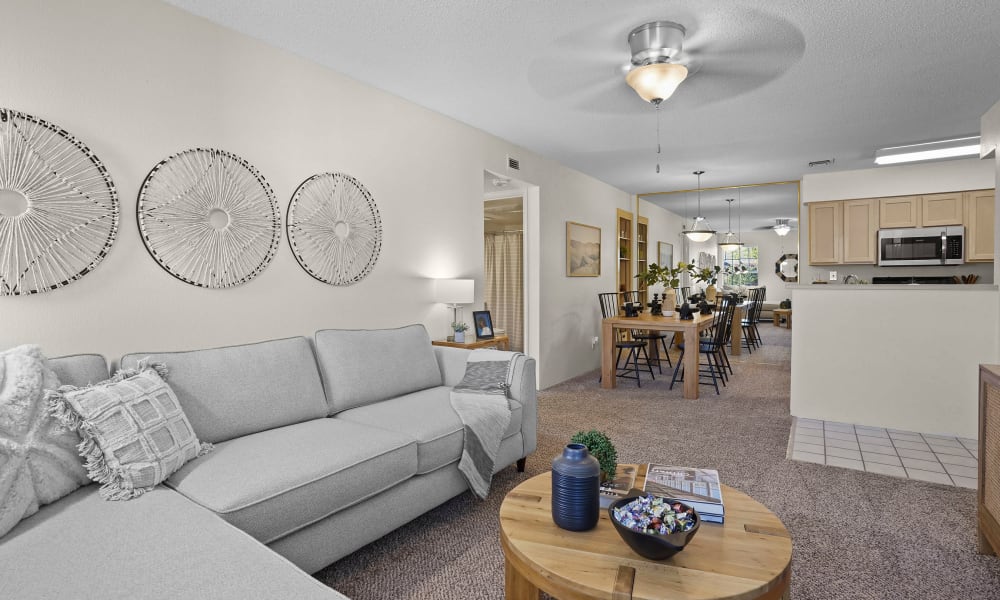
<point x="459" y="329"/>
<point x="599" y="445"/>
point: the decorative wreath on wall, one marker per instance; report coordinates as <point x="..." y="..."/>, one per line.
<point x="334" y="228"/>
<point x="209" y="218"/>
<point x="58" y="206"/>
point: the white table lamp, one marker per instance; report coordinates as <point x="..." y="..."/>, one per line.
<point x="454" y="293"/>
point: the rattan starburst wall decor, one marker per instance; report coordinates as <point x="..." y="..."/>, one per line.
<point x="334" y="228"/>
<point x="209" y="218"/>
<point x="58" y="206"/>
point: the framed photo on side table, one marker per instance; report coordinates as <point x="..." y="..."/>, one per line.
<point x="583" y="250"/>
<point x="484" y="324"/>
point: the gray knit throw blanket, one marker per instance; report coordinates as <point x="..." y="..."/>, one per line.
<point x="481" y="402"/>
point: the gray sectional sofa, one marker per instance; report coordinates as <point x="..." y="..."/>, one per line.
<point x="321" y="446"/>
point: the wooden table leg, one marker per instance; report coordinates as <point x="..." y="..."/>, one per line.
<point x="777" y="320"/>
<point x="788" y="320"/>
<point x="608" y="366"/>
<point x="691" y="353"/>
<point x="516" y="587"/>
<point x="736" y="335"/>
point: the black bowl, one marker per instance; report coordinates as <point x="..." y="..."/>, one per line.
<point x="654" y="546"/>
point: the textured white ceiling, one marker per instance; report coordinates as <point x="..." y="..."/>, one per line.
<point x="780" y="82"/>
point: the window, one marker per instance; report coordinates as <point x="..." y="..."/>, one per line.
<point x="740" y="267"/>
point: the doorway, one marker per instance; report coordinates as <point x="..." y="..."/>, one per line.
<point x="503" y="259"/>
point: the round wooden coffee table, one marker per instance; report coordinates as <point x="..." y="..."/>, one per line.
<point x="748" y="557"/>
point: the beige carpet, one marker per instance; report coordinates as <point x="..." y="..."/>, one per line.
<point x="855" y="534"/>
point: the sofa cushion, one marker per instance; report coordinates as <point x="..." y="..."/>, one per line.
<point x="364" y="366"/>
<point x="38" y="459"/>
<point x="274" y="482"/>
<point x="135" y="433"/>
<point x="232" y="391"/>
<point x="80" y="370"/>
<point x="162" y="546"/>
<point x="428" y="417"/>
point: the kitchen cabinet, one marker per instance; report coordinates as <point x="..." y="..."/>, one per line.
<point x="979" y="207"/>
<point x="843" y="232"/>
<point x="861" y="222"/>
<point x="846" y="231"/>
<point x="942" y="209"/>
<point x="921" y="211"/>
<point x="826" y="235"/>
<point x="899" y="212"/>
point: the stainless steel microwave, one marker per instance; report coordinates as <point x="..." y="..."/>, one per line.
<point x="921" y="246"/>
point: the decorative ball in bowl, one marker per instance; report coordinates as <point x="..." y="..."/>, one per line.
<point x="655" y="528"/>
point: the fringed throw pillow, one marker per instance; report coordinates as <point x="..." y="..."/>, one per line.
<point x="134" y="432"/>
<point x="38" y="459"/>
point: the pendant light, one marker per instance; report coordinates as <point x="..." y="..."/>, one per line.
<point x="730" y="242"/>
<point x="700" y="230"/>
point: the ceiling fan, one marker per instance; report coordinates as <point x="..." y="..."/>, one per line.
<point x="780" y="227"/>
<point x="727" y="51"/>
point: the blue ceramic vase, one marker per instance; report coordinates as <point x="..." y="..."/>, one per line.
<point x="576" y="480"/>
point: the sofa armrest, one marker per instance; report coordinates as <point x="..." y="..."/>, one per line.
<point x="452" y="363"/>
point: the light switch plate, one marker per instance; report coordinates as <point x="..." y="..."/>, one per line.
<point x="833" y="276"/>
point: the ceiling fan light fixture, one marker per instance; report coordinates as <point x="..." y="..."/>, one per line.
<point x="656" y="82"/>
<point x="654" y="46"/>
<point x="782" y="227"/>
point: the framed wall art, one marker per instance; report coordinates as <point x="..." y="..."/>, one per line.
<point x="665" y="254"/>
<point x="209" y="218"/>
<point x="583" y="250"/>
<point x="334" y="228"/>
<point x="58" y="206"/>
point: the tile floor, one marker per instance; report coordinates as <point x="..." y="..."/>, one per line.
<point x="934" y="458"/>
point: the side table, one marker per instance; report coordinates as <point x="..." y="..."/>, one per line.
<point x="501" y="342"/>
<point x="783" y="312"/>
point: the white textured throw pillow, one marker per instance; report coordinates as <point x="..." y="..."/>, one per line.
<point x="134" y="432"/>
<point x="38" y="458"/>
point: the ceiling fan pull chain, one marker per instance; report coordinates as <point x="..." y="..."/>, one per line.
<point x="657" y="105"/>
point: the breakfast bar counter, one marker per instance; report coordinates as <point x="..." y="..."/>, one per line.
<point x="903" y="357"/>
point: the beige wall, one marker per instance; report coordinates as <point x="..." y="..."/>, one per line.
<point x="138" y="80"/>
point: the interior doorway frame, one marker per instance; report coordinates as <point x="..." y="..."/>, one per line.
<point x="531" y="258"/>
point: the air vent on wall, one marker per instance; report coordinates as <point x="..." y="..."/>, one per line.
<point x="513" y="163"/>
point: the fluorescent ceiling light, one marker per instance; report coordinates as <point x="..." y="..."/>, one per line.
<point x="954" y="148"/>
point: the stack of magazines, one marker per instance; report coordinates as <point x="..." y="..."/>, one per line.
<point x="698" y="488"/>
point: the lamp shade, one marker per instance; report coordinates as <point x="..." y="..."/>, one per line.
<point x="455" y="291"/>
<point x="656" y="81"/>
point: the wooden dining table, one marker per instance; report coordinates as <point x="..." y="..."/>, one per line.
<point x="690" y="329"/>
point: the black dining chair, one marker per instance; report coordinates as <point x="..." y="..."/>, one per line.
<point x="712" y="348"/>
<point x="658" y="338"/>
<point x="751" y="335"/>
<point x="610" y="303"/>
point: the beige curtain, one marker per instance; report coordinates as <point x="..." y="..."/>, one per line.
<point x="505" y="284"/>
